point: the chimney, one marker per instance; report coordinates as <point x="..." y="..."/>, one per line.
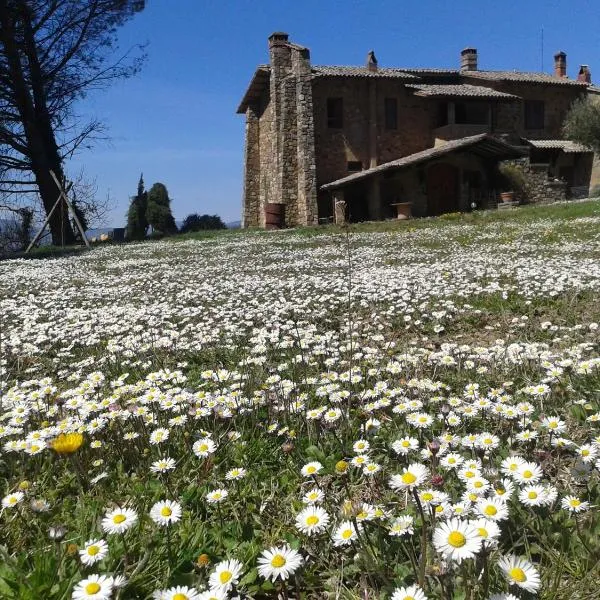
<point x="584" y="74"/>
<point x="468" y="59"/>
<point x="371" y="61"/>
<point x="560" y="64"/>
<point x="278" y="38"/>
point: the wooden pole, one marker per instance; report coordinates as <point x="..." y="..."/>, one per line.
<point x="38" y="235"/>
<point x="68" y="202"/>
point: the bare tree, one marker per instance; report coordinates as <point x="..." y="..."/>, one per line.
<point x="52" y="53"/>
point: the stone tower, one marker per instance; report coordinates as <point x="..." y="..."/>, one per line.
<point x="279" y="157"/>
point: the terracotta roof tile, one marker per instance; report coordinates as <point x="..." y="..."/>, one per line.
<point x="521" y="76"/>
<point x="458" y="90"/>
<point x="334" y="71"/>
<point x="482" y="144"/>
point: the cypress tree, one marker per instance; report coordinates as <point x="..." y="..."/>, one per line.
<point x="159" y="212"/>
<point x="137" y="222"/>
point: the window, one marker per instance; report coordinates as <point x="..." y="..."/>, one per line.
<point x="335" y="113"/>
<point x="471" y="113"/>
<point x="391" y="113"/>
<point x="534" y="114"/>
<point x="354" y="165"/>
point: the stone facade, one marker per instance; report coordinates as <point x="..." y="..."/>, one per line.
<point x="293" y="147"/>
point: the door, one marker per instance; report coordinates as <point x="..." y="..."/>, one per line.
<point x="442" y="189"/>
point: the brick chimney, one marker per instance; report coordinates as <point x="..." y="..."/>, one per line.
<point x="468" y="59"/>
<point x="278" y="37"/>
<point x="371" y="61"/>
<point x="560" y="64"/>
<point x="584" y="74"/>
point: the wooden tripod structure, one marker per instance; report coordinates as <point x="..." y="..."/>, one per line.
<point x="62" y="196"/>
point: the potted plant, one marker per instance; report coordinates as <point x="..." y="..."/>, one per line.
<point x="512" y="179"/>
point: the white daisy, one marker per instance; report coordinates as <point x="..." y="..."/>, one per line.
<point x="225" y="574"/>
<point x="119" y="520"/>
<point x="413" y="476"/>
<point x="311" y="468"/>
<point x="520" y="572"/>
<point x="311" y="520"/>
<point x="456" y="540"/>
<point x="95" y="587"/>
<point x="345" y="534"/>
<point x="412" y="592"/>
<point x="278" y="562"/>
<point x="165" y="512"/>
<point x="204" y="447"/>
<point x="216" y="496"/>
<point x="12" y="500"/>
<point x="93" y="552"/>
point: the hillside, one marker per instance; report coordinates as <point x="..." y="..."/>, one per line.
<point x="379" y="407"/>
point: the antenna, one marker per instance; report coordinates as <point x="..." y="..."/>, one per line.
<point x="542" y="49"/>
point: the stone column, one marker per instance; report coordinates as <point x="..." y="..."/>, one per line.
<point x="372" y="83"/>
<point x="339" y="207"/>
<point x="251" y="199"/>
<point x="374" y="199"/>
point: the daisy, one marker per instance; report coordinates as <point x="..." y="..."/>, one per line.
<point x="532" y="495"/>
<point x="215" y="594"/>
<point x="488" y="531"/>
<point x="216" y="496"/>
<point x="456" y="540"/>
<point x="12" y="499"/>
<point x="204" y="447"/>
<point x="528" y="472"/>
<point x="413" y="476"/>
<point x="520" y="572"/>
<point x="492" y="508"/>
<point x="371" y="468"/>
<point x="503" y="597"/>
<point x="311" y="468"/>
<point x="344" y="534"/>
<point x="360" y="446"/>
<point x="511" y="465"/>
<point x="236" y="473"/>
<point x="451" y="461"/>
<point x="165" y="512"/>
<point x="313" y="496"/>
<point x="278" y="561"/>
<point x="163" y="465"/>
<point x="402" y="525"/>
<point x="181" y="592"/>
<point x="119" y="520"/>
<point x="312" y="520"/>
<point x="225" y="575"/>
<point x="93" y="551"/>
<point x="97" y="587"/>
<point x="405" y="445"/>
<point x="574" y="504"/>
<point x="413" y="592"/>
<point x="159" y="435"/>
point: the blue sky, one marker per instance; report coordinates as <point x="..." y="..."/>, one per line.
<point x="176" y="120"/>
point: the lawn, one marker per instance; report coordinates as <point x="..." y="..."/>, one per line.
<point x="384" y="411"/>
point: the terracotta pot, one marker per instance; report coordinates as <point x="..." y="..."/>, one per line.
<point x="403" y="210"/>
<point x="507" y="196"/>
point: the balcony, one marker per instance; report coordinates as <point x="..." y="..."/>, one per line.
<point x="455" y="131"/>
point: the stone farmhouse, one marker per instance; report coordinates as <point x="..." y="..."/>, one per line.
<point x="356" y="143"/>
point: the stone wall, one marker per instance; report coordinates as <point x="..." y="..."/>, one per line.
<point x="280" y="157"/>
<point x="539" y="188"/>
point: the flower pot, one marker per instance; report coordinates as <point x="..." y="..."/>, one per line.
<point x="403" y="210"/>
<point x="507" y="196"/>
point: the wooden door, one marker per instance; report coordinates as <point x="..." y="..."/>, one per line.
<point x="442" y="189"/>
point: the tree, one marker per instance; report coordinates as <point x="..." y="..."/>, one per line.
<point x="158" y="212"/>
<point x="137" y="222"/>
<point x="52" y="53"/>
<point x="582" y="123"/>
<point x="195" y="222"/>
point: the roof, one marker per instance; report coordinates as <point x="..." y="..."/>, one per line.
<point x="483" y="145"/>
<point x="522" y="76"/>
<point x="257" y="84"/>
<point x="567" y="146"/>
<point x="462" y="90"/>
<point x="333" y="71"/>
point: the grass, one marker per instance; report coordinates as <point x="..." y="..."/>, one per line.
<point x="325" y="345"/>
